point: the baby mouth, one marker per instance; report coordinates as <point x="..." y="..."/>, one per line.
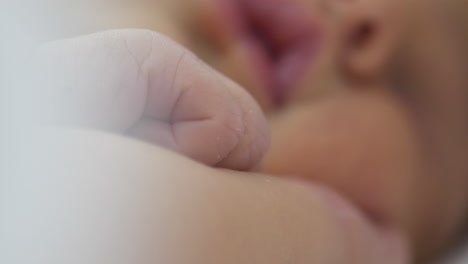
<point x="281" y="39"/>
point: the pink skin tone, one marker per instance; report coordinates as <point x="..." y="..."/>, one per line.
<point x="351" y="123"/>
<point x="159" y="98"/>
<point x="366" y="116"/>
<point x="317" y="224"/>
<point x="288" y="42"/>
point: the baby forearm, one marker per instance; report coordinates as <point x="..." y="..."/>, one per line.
<point x="89" y="197"/>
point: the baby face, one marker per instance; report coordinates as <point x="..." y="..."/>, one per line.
<point x="366" y="96"/>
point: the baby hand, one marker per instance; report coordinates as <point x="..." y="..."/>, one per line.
<point x="142" y="84"/>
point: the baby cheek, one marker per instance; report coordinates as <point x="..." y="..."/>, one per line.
<point x="361" y="146"/>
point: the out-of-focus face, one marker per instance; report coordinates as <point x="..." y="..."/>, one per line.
<point x="366" y="96"/>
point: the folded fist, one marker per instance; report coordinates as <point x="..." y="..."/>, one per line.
<point x="142" y="84"/>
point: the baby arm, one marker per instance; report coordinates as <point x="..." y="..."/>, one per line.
<point x="83" y="196"/>
<point x="91" y="197"/>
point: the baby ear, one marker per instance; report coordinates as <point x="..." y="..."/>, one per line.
<point x="369" y="31"/>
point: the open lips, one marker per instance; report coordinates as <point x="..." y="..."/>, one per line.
<point x="281" y="39"/>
